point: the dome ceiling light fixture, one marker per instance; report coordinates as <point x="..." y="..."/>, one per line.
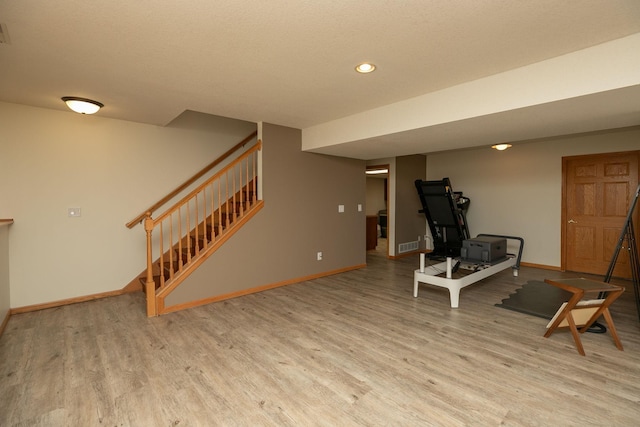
<point x="365" y="67"/>
<point x="82" y="105"/>
<point x="501" y="147"/>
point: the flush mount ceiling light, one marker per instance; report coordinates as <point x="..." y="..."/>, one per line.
<point x="501" y="147"/>
<point x="365" y="68"/>
<point x="376" y="171"/>
<point x="82" y="105"/>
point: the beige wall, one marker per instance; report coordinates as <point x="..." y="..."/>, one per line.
<point x="300" y="217"/>
<point x="409" y="223"/>
<point x="518" y="191"/>
<point x="375" y="195"/>
<point x="5" y="290"/>
<point x="112" y="170"/>
<point x="54" y="160"/>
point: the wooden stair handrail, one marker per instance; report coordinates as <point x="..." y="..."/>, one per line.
<point x="190" y="181"/>
<point x="6" y="220"/>
<point x="198" y="189"/>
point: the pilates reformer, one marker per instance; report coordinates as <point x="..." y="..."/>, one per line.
<point x="481" y="257"/>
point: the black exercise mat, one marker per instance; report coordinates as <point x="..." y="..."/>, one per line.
<point x="537" y="299"/>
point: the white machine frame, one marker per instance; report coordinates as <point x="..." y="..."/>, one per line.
<point x="429" y="274"/>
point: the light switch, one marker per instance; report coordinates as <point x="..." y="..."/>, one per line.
<point x="340" y="208"/>
<point x="74" y="212"/>
<point x="359" y="207"/>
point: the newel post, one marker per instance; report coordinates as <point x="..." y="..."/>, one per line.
<point x="150" y="285"/>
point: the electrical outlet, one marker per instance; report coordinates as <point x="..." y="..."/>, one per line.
<point x="319" y="256"/>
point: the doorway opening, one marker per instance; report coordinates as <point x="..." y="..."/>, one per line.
<point x="377" y="208"/>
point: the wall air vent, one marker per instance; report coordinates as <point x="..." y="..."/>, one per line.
<point x="408" y="247"/>
<point x="4" y="34"/>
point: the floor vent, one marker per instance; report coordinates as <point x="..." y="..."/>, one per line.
<point x="408" y="247"/>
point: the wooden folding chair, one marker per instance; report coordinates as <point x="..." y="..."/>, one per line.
<point x="581" y="313"/>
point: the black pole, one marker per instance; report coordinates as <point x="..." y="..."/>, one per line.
<point x="628" y="233"/>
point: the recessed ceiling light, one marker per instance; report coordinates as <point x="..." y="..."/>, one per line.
<point x="82" y="105"/>
<point x="501" y="147"/>
<point x="365" y="68"/>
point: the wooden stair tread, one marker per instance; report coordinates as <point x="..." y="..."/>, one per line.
<point x="143" y="280"/>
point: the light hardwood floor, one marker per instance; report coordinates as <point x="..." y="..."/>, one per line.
<point x="350" y="349"/>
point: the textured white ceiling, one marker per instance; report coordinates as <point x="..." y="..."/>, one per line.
<point x="283" y="62"/>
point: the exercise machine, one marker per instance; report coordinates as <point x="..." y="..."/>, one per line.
<point x="445" y="213"/>
<point x="480" y="257"/>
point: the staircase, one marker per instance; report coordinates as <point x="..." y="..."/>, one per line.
<point x="203" y="237"/>
<point x="186" y="234"/>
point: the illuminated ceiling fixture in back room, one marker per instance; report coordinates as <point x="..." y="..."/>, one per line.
<point x="82" y="105"/>
<point x="376" y="171"/>
<point x="501" y="147"/>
